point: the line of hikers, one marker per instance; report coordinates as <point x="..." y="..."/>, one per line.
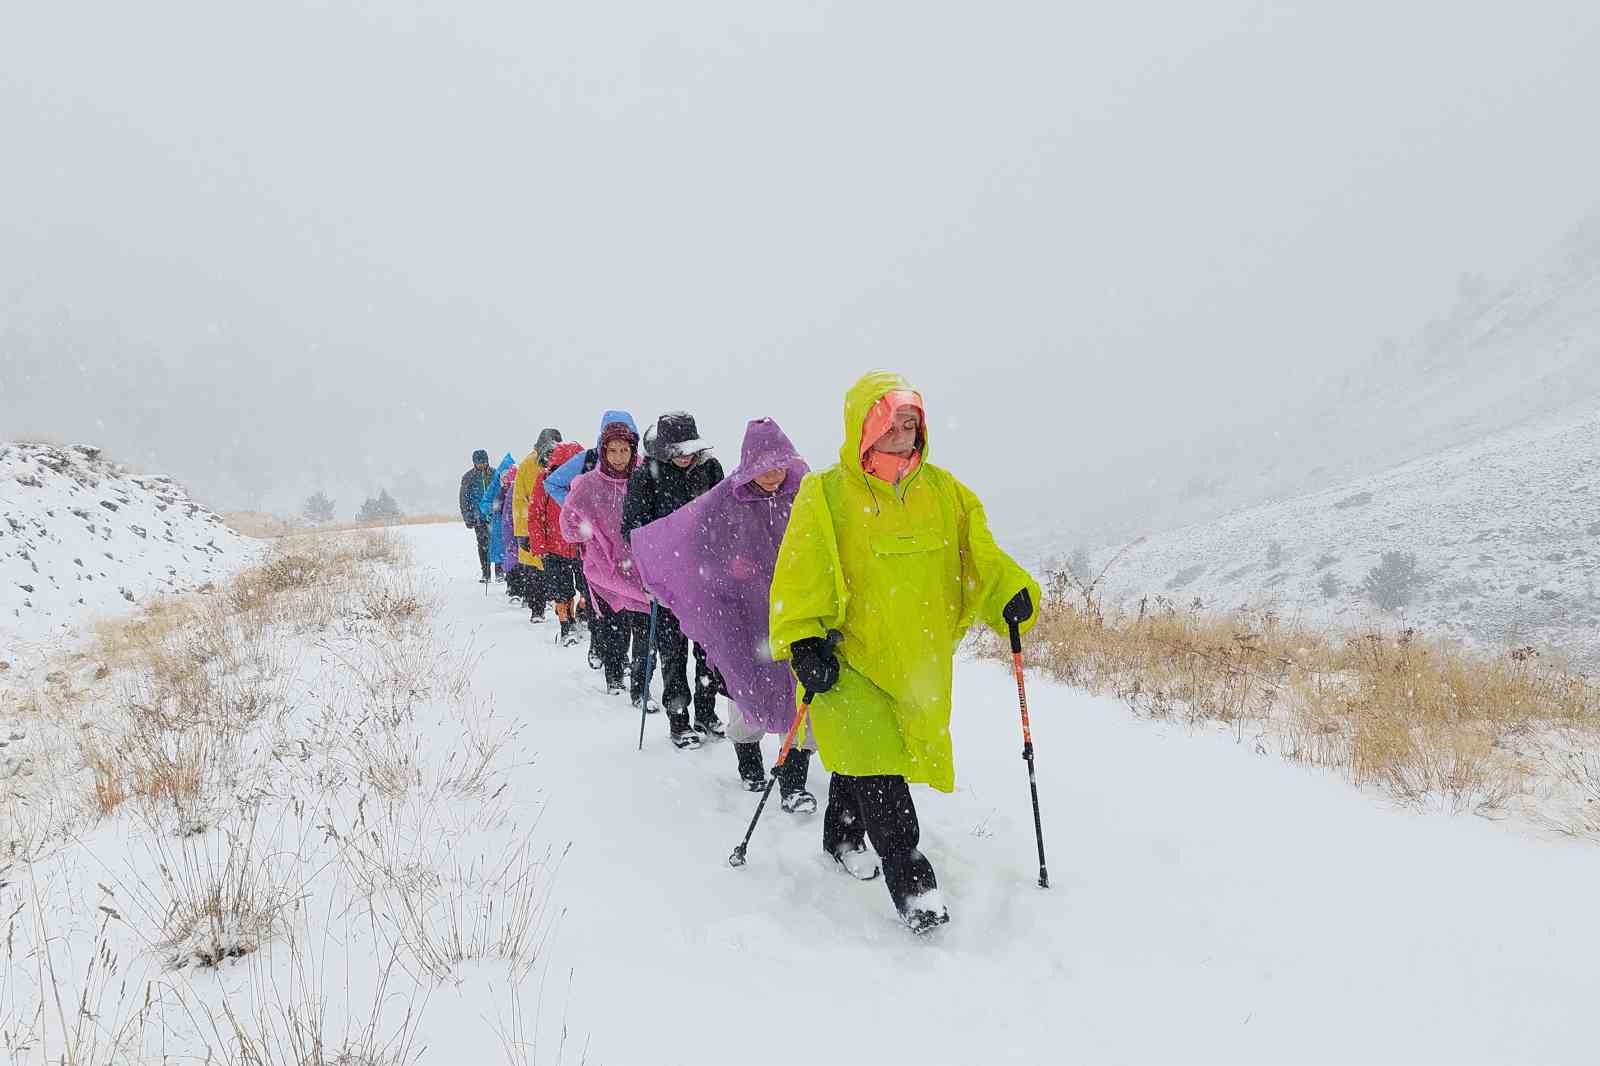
<point x="754" y="570"/>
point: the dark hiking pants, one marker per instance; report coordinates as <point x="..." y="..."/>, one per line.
<point x="672" y="652"/>
<point x="480" y="529"/>
<point x="879" y="809"/>
<point x="623" y="638"/>
<point x="560" y="583"/>
<point x="533" y="591"/>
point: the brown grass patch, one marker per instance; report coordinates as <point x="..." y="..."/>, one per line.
<point x="1424" y="719"/>
<point x="263" y="526"/>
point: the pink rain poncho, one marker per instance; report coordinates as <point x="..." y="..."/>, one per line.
<point x="592" y="517"/>
<point x="711" y="563"/>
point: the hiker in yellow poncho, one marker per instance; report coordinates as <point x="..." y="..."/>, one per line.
<point x="896" y="554"/>
<point x="528" y="472"/>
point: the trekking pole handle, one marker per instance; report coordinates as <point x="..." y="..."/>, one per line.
<point x="832" y="640"/>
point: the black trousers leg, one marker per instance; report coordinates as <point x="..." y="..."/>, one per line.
<point x="533" y="591"/>
<point x="672" y="656"/>
<point x="611" y="640"/>
<point x="880" y="809"/>
<point x="481" y="532"/>
<point x="587" y="613"/>
<point x="558" y="584"/>
<point x="639" y="629"/>
<point x="706" y="685"/>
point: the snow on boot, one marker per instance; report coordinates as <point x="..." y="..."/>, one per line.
<point x="683" y="735"/>
<point x="801" y="802"/>
<point x="708" y="723"/>
<point x="792" y="782"/>
<point x="859" y="863"/>
<point x="595" y="662"/>
<point x="650" y="705"/>
<point x="570" y="637"/>
<point x="925" y="912"/>
<point x="751" y="772"/>
<point x="536" y="617"/>
<point x="614" y="690"/>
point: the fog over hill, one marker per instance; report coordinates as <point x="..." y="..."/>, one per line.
<point x="1525" y="353"/>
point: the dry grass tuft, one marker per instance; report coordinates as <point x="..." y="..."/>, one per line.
<point x="1428" y="721"/>
<point x="263" y="526"/>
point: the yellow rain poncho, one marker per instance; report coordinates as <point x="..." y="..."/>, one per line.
<point x="528" y="471"/>
<point x="903" y="572"/>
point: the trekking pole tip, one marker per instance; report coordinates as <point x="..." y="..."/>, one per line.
<point x="736" y="860"/>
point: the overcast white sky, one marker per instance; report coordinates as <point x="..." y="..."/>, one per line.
<point x="267" y="245"/>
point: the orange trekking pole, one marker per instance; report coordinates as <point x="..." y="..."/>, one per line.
<point x="737" y="858"/>
<point x="1027" y="749"/>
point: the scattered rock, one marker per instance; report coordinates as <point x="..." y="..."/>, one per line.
<point x="1360" y="499"/>
<point x="108" y="505"/>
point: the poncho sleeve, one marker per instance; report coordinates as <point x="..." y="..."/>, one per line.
<point x="559" y="481"/>
<point x="575" y="526"/>
<point x="989" y="577"/>
<point x="808" y="588"/>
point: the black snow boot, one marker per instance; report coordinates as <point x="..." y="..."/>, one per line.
<point x="792" y="782"/>
<point x="922" y="920"/>
<point x="683" y="734"/>
<point x="708" y="723"/>
<point x="751" y="770"/>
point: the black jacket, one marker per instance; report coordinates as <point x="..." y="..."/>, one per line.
<point x="658" y="488"/>
<point x="473" y="485"/>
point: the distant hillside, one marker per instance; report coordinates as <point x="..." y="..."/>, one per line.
<point x="81" y="536"/>
<point x="1504" y="356"/>
<point x="1505" y="533"/>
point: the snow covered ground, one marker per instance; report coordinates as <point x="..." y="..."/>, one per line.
<point x="1506" y="532"/>
<point x="82" y="537"/>
<point x="1208" y="903"/>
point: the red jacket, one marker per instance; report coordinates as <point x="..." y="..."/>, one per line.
<point x="544" y="513"/>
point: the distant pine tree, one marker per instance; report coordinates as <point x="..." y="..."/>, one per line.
<point x="379" y="509"/>
<point x="318" y="508"/>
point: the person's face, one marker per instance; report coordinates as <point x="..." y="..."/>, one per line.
<point x="618" y="452"/>
<point x="771" y="481"/>
<point x="482" y="466"/>
<point x="683" y="462"/>
<point x="902" y="436"/>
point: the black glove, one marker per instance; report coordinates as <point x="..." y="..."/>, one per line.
<point x="1018" y="609"/>
<point x="522" y="542"/>
<point x="815" y="665"/>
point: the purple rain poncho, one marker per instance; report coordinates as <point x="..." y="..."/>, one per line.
<point x="711" y="563"/>
<point x="508" y="538"/>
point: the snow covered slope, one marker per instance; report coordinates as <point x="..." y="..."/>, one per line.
<point x="1518" y="355"/>
<point x="80" y="536"/>
<point x="1506" y="533"/>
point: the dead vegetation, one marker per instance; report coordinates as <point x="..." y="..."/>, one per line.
<point x="1430" y="722"/>
<point x="264" y="526"/>
<point x="300" y="756"/>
